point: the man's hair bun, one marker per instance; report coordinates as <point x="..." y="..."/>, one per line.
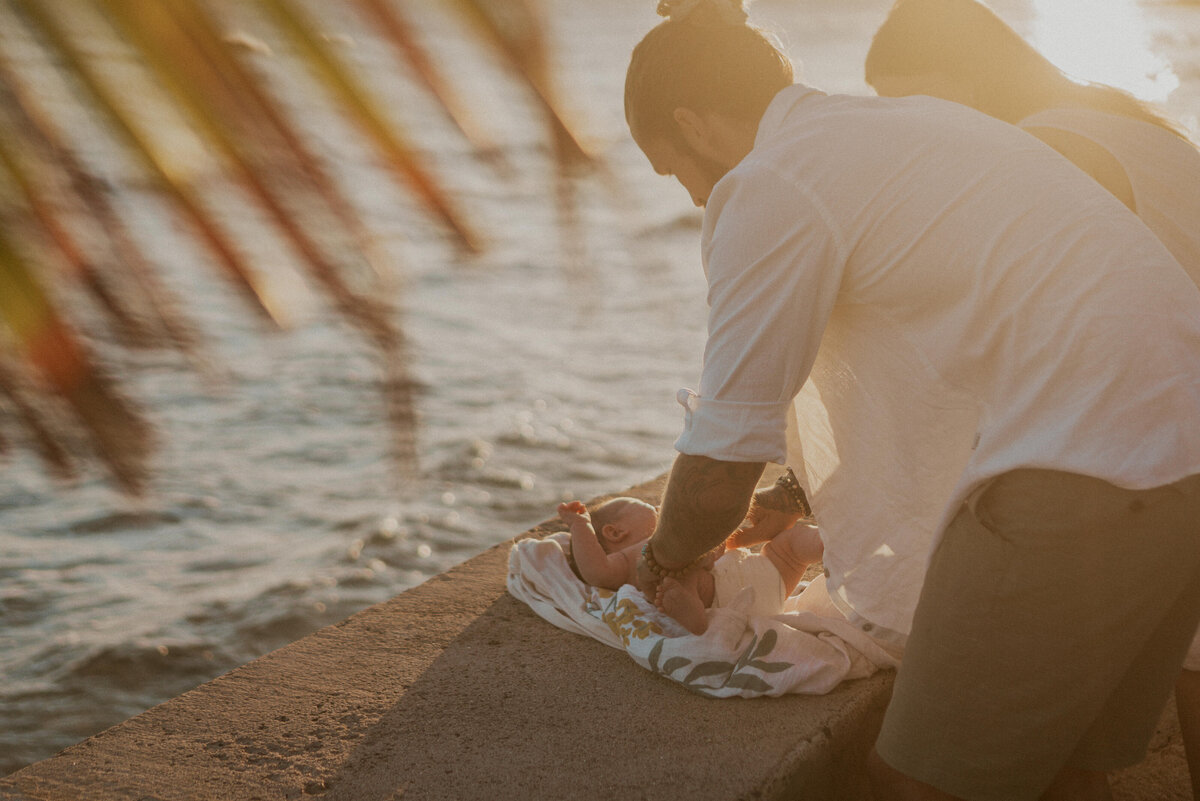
<point x="731" y="12"/>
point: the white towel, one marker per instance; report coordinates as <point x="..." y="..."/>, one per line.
<point x="810" y="648"/>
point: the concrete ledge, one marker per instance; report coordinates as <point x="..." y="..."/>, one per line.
<point x="455" y="690"/>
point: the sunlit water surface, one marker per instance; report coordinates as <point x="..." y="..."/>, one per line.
<point x="274" y="512"/>
<point x="1108" y="41"/>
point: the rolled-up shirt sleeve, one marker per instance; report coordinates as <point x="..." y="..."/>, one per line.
<point x="774" y="264"/>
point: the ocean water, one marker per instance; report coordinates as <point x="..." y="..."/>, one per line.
<point x="274" y="510"/>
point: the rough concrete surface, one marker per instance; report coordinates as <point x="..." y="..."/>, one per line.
<point x="454" y="690"/>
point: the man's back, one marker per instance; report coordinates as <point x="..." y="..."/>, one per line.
<point x="981" y="305"/>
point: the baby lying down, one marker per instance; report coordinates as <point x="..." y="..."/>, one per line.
<point x="607" y="542"/>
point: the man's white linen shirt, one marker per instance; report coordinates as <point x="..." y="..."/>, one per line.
<point x="939" y="298"/>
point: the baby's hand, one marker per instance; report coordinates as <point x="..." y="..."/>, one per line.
<point x="573" y="512"/>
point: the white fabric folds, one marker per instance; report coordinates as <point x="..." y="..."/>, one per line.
<point x="810" y="649"/>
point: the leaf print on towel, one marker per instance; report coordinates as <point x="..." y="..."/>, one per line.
<point x="671" y="665"/>
<point x="737" y="677"/>
<point x="623" y="617"/>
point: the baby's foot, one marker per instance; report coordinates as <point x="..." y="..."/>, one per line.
<point x="661" y="590"/>
<point x="683" y="604"/>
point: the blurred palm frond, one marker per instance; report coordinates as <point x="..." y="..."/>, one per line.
<point x="166" y="89"/>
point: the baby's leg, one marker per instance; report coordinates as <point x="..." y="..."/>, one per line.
<point x="792" y="551"/>
<point x="686" y="599"/>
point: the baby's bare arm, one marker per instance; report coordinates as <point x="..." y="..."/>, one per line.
<point x="598" y="568"/>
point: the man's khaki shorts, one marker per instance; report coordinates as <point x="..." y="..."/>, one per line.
<point x="1051" y="627"/>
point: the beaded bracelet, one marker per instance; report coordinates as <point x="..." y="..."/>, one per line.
<point x="661" y="571"/>
<point x="791" y="485"/>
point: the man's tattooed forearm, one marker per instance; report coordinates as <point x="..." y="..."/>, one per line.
<point x="706" y="500"/>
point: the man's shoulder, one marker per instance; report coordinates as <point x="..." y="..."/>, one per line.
<point x="758" y="181"/>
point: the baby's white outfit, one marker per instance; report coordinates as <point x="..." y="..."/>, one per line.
<point x="739" y="568"/>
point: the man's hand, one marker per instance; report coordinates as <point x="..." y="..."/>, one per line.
<point x="772" y="511"/>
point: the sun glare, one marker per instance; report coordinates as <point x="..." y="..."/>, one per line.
<point x="1106" y="41"/>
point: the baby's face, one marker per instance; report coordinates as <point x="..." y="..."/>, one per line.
<point x="639" y="518"/>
